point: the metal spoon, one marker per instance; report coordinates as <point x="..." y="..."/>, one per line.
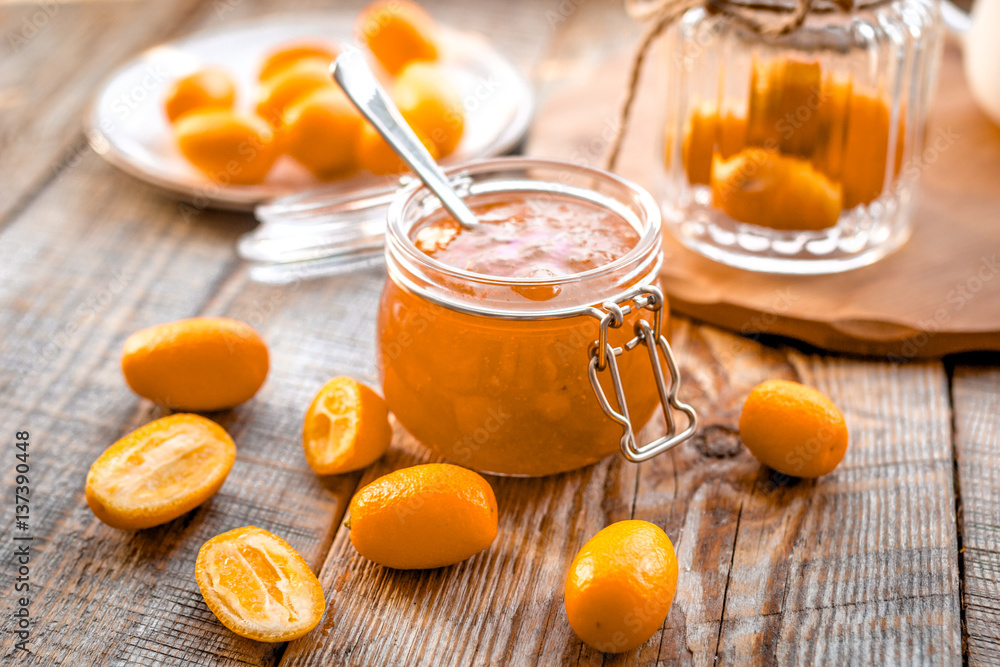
<point x="352" y="74"/>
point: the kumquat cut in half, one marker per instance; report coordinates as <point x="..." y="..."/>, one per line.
<point x="258" y="586"/>
<point x="346" y="427"/>
<point x="159" y="472"/>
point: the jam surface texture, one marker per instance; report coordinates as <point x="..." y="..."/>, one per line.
<point x="522" y="237"/>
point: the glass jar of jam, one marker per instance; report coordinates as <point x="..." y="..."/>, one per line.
<point x="530" y="344"/>
<point x="798" y="153"/>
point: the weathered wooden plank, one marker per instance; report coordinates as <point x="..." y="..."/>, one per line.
<point x="500" y="607"/>
<point x="123" y="598"/>
<point x="505" y="606"/>
<point x="854" y="568"/>
<point x="78" y="280"/>
<point x="976" y="400"/>
<point x="55" y="54"/>
<point x="832" y="548"/>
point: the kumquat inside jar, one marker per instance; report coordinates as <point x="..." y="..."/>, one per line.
<point x="533" y="343"/>
<point x="798" y="153"/>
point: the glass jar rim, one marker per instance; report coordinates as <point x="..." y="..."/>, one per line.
<point x="646" y="219"/>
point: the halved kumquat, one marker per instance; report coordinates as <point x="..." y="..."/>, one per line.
<point x="258" y="585"/>
<point x="346" y="427"/>
<point x="159" y="472"/>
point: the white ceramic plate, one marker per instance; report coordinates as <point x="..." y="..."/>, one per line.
<point x="127" y="126"/>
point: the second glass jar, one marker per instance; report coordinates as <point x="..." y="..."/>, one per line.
<point x="797" y="154"/>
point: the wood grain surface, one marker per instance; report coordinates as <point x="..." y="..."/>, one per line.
<point x="859" y="567"/>
<point x="976" y="391"/>
<point x="43" y="88"/>
<point x="938" y="294"/>
<point x="849" y="569"/>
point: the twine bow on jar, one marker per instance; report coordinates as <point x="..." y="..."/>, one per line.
<point x="768" y="18"/>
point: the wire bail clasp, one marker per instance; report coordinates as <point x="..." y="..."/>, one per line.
<point x="604" y="357"/>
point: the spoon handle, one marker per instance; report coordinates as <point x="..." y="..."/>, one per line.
<point x="352" y="74"/>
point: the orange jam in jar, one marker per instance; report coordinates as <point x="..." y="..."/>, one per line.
<point x="489" y="336"/>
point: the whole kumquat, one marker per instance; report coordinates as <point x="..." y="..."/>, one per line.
<point x="291" y="84"/>
<point x="427" y="516"/>
<point x="228" y="147"/>
<point x="346" y="427"/>
<point x="258" y="586"/>
<point x="430" y="102"/>
<point x="199" y="364"/>
<point x="620" y="586"/>
<point x="793" y="429"/>
<point x="765" y="188"/>
<point x="208" y="89"/>
<point x="159" y="472"/>
<point x="397" y="32"/>
<point x="286" y="55"/>
<point x="322" y="132"/>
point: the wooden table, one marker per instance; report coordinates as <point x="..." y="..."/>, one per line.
<point x="894" y="558"/>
